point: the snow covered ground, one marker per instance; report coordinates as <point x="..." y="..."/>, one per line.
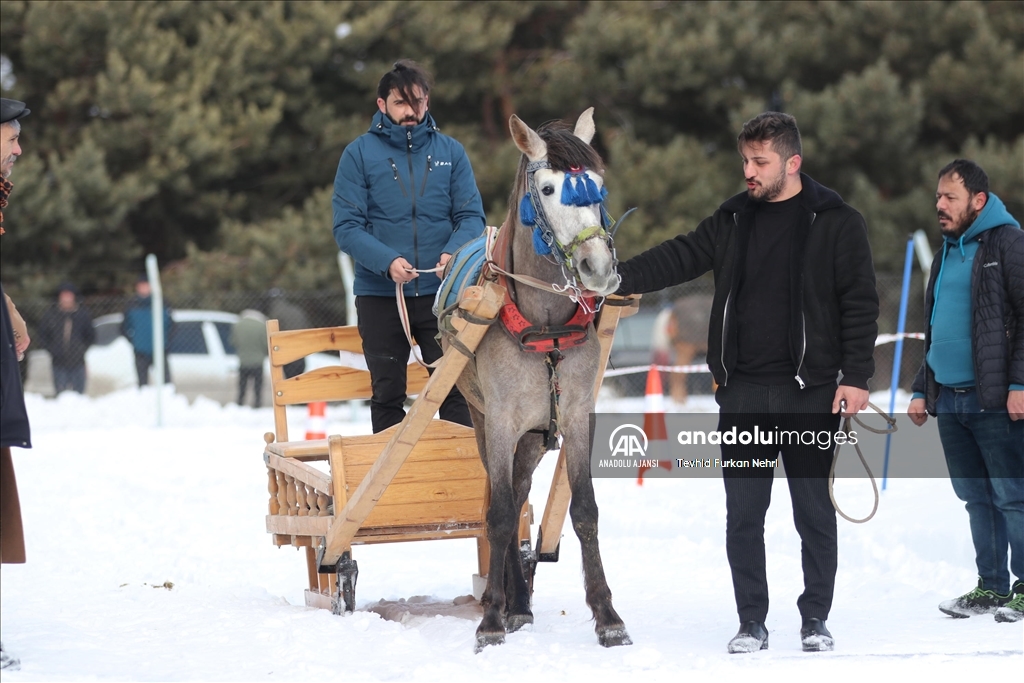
<point x="148" y="560"/>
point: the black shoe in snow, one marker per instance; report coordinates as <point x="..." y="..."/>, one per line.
<point x="978" y="601"/>
<point x="1013" y="610"/>
<point x="751" y="637"/>
<point x="815" y="636"/>
<point x="7" y="662"/>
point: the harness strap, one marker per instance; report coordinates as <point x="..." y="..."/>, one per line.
<point x="552" y="433"/>
<point x="546" y="338"/>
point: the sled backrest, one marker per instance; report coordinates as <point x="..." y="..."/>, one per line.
<point x="331" y="383"/>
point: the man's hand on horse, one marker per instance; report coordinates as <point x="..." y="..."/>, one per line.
<point x="443" y="261"/>
<point x="856" y="400"/>
<point x="402" y="271"/>
<point x="917" y="413"/>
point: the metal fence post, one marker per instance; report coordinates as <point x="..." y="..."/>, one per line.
<point x="153" y="273"/>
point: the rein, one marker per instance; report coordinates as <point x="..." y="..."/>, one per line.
<point x="403" y="316"/>
<point x="889" y="429"/>
<point x="571" y="290"/>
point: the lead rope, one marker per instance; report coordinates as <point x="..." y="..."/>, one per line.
<point x="889" y="429"/>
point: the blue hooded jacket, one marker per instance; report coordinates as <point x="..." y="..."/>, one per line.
<point x="950" y="355"/>
<point x="403" y="191"/>
<point x="137" y="325"/>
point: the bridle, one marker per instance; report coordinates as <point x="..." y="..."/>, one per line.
<point x="585" y="193"/>
<point x="532" y="214"/>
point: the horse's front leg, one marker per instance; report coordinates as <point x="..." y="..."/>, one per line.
<point x="502" y="522"/>
<point x="583" y="510"/>
<point x="529" y="451"/>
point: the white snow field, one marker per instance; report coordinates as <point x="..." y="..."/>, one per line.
<point x="148" y="561"/>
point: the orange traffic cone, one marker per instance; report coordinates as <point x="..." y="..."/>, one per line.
<point x="654" y="407"/>
<point x="654" y="420"/>
<point x="316" y="422"/>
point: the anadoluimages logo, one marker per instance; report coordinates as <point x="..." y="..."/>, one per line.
<point x="630" y="443"/>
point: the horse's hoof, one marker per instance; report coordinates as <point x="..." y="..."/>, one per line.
<point x="514" y="622"/>
<point x="485" y="639"/>
<point x="611" y="637"/>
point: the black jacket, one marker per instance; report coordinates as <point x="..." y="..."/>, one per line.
<point x="14" y="429"/>
<point x="834" y="303"/>
<point x="69" y="353"/>
<point x="997" y="319"/>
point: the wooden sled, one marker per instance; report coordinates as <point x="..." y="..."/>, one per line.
<point x="419" y="480"/>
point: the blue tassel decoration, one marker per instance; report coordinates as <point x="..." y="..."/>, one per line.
<point x="593" y="194"/>
<point x="581" y="192"/>
<point x="539" y="245"/>
<point x="527" y="216"/>
<point x="568" y="195"/>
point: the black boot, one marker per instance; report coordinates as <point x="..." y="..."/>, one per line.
<point x="815" y="636"/>
<point x="751" y="637"/>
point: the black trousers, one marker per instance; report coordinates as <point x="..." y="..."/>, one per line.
<point x="142" y="363"/>
<point x="748" y="490"/>
<point x="387" y="356"/>
<point x="255" y="375"/>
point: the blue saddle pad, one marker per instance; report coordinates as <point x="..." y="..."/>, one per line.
<point x="464" y="271"/>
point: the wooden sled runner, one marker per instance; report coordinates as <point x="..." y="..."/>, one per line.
<point x="419" y="480"/>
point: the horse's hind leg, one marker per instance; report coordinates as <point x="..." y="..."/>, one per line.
<point x="529" y="451"/>
<point x="583" y="510"/>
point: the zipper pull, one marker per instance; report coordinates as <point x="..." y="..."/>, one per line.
<point x="408" y="137"/>
<point x="800" y="382"/>
<point x="430" y="165"/>
<point x="394" y="169"/>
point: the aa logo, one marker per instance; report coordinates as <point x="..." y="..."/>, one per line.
<point x="628" y="441"/>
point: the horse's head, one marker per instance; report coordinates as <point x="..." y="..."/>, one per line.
<point x="560" y="194"/>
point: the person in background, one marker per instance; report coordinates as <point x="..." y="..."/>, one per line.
<point x="14" y="425"/>
<point x="66" y="331"/>
<point x="404" y="200"/>
<point x="249" y="337"/>
<point x="972" y="380"/>
<point x="138" y="328"/>
<point x="289" y="317"/>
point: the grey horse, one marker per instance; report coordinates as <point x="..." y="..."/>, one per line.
<point x="521" y="400"/>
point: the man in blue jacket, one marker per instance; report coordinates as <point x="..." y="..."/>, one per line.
<point x="138" y="328"/>
<point x="404" y="200"/>
<point x="972" y="380"/>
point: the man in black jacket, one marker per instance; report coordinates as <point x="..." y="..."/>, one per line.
<point x="795" y="305"/>
<point x="66" y="331"/>
<point x="972" y="380"/>
<point x="14" y="427"/>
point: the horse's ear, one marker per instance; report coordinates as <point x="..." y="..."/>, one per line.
<point x="585" y="128"/>
<point x="527" y="140"/>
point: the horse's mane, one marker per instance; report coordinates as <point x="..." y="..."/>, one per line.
<point x="565" y="151"/>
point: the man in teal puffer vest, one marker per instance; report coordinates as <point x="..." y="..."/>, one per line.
<point x="404" y="200"/>
<point x="972" y="380"/>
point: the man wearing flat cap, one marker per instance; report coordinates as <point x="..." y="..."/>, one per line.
<point x="14" y="430"/>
